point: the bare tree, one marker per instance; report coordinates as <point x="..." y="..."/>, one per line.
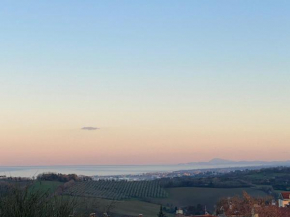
<point x="248" y="206"/>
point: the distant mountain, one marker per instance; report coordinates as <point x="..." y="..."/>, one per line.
<point x="219" y="162"/>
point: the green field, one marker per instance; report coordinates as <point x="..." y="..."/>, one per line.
<point x="47" y="186"/>
<point x="206" y="196"/>
<point x="119" y="208"/>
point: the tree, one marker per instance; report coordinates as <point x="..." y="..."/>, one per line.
<point x="246" y="206"/>
<point x="161" y="214"/>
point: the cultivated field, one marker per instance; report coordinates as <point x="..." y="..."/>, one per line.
<point x="117" y="190"/>
<point x="47" y="186"/>
<point x="118" y="208"/>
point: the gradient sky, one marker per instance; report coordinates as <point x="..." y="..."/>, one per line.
<point x="165" y="81"/>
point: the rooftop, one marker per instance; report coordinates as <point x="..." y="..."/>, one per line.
<point x="285" y="195"/>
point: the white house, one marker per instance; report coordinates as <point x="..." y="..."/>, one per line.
<point x="284" y="199"/>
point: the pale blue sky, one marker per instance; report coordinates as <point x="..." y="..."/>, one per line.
<point x="197" y="63"/>
<point x="66" y="45"/>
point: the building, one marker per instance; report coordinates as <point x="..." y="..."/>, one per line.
<point x="179" y="213"/>
<point x="284" y="199"/>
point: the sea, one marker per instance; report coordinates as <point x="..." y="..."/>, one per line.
<point x="93" y="170"/>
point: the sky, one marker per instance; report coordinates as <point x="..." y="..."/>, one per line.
<point x="143" y="82"/>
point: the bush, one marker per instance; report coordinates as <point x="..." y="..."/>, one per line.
<point x="22" y="202"/>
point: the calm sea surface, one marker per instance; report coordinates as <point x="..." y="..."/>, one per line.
<point x="30" y="171"/>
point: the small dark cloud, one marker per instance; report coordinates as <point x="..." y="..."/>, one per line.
<point x="90" y="128"/>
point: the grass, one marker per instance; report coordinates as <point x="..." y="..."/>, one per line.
<point x="47" y="186"/>
<point x="206" y="196"/>
<point x="120" y="208"/>
<point x="134" y="208"/>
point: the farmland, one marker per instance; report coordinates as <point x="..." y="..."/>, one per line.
<point x="131" y="194"/>
<point x="118" y="208"/>
<point x="117" y="190"/>
<point x="177" y="197"/>
<point x="134" y="197"/>
<point x="47" y="186"/>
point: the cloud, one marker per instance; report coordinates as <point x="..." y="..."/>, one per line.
<point x="90" y="128"/>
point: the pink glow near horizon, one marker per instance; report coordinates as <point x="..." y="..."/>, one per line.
<point x="114" y="146"/>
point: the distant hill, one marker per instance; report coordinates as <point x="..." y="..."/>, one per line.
<point x="219" y="162"/>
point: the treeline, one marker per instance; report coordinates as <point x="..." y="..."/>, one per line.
<point x="15" y="179"/>
<point x="209" y="182"/>
<point x="194" y="210"/>
<point x="278" y="178"/>
<point x="197" y="209"/>
<point x="62" y="177"/>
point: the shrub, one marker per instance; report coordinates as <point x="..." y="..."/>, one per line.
<point x="22" y="202"/>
